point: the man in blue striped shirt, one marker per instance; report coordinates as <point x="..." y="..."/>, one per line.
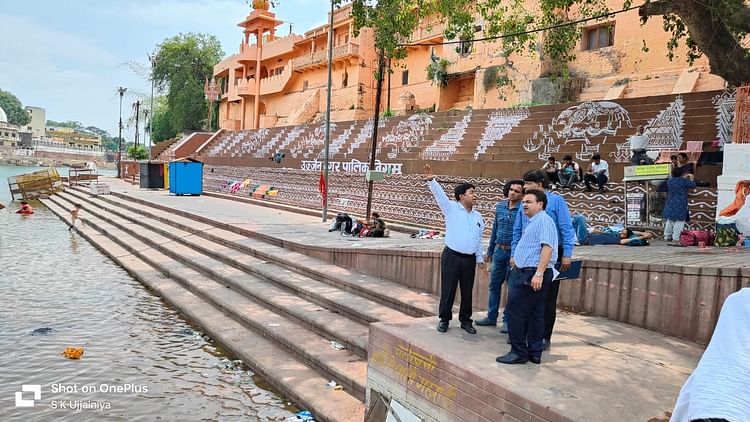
<point x="498" y="251"/>
<point x="464" y="227"/>
<point x="535" y="256"/>
<point x="558" y="210"/>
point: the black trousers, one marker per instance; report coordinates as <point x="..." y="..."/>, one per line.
<point x="550" y="303"/>
<point x="456" y="269"/>
<point x="526" y="309"/>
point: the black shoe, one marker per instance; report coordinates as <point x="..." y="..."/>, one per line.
<point x="602" y="190"/>
<point x="442" y="326"/>
<point x="545" y="344"/>
<point x="486" y="322"/>
<point x="511" y="359"/>
<point x="504" y="328"/>
<point x="468" y="328"/>
<point x="535" y="360"/>
<point x="588" y="189"/>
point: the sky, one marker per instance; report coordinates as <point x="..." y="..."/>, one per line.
<point x="69" y="56"/>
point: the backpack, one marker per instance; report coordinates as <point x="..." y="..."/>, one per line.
<point x="694" y="237"/>
<point x="727" y="234"/>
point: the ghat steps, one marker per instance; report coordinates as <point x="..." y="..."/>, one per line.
<point x="278" y="310"/>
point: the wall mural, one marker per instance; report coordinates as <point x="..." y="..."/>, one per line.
<point x="443" y="148"/>
<point x="364" y="134"/>
<point x="500" y="123"/>
<point x="337" y="143"/>
<point x="725" y="104"/>
<point x="579" y="124"/>
<point x="270" y="147"/>
<point x="664" y="132"/>
<point x="255" y="139"/>
<point x="311" y="142"/>
<point x="405" y="197"/>
<point x="406" y="136"/>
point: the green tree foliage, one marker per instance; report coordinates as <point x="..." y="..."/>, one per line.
<point x="14" y="109"/>
<point x="137" y="152"/>
<point x="715" y="28"/>
<point x="182" y="64"/>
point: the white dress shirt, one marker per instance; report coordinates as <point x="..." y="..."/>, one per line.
<point x="601" y="168"/>
<point x="463" y="229"/>
<point x="638" y="142"/>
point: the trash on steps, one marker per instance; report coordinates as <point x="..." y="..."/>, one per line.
<point x="73" y="352"/>
<point x="334" y="385"/>
<point x="304" y="416"/>
<point x="336" y="345"/>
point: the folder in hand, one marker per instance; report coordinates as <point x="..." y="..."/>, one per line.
<point x="571" y="273"/>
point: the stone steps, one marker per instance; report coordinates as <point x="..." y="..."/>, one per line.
<point x="231" y="318"/>
<point x="398" y="297"/>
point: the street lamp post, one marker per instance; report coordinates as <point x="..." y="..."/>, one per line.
<point x="121" y="91"/>
<point x="152" y="59"/>
<point x="328" y="112"/>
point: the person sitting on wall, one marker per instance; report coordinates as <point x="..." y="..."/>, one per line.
<point x="639" y="148"/>
<point x="25" y="209"/>
<point x="552" y="168"/>
<point x="570" y="173"/>
<point x="598" y="173"/>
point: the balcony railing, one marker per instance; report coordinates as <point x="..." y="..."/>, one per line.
<point x="246" y="87"/>
<point x="230" y="124"/>
<point x="429" y="31"/>
<point x="319" y="57"/>
<point x="276" y="83"/>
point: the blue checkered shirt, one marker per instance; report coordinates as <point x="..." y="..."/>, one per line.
<point x="540" y="231"/>
<point x="502" y="227"/>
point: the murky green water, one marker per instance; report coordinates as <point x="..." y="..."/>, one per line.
<point x="142" y="360"/>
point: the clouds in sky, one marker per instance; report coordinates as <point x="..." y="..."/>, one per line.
<point x="69" y="56"/>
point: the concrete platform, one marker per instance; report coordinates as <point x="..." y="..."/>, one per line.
<point x="596" y="370"/>
<point x="675" y="291"/>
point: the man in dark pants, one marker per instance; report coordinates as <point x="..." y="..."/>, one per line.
<point x="498" y="252"/>
<point x="535" y="253"/>
<point x="464" y="227"/>
<point x="558" y="210"/>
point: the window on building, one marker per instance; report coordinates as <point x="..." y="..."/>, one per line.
<point x="599" y="37"/>
<point x="464" y="49"/>
<point x="405" y="77"/>
<point x="304" y="85"/>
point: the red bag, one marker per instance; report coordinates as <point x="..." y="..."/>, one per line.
<point x="694" y="237"/>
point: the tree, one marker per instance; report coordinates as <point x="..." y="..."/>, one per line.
<point x="182" y="64"/>
<point x="715" y="28"/>
<point x="162" y="121"/>
<point x="17" y="115"/>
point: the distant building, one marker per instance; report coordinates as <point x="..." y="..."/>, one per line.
<point x="9" y="133"/>
<point x="38" y="121"/>
<point x="73" y="138"/>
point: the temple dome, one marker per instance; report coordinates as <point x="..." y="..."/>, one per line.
<point x="3" y="116"/>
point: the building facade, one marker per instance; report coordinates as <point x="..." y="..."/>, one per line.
<point x="38" y="121"/>
<point x="69" y="137"/>
<point x="281" y="80"/>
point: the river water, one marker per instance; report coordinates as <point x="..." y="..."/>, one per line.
<point x="142" y="360"/>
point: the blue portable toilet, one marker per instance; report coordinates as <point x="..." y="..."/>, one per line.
<point x="186" y="177"/>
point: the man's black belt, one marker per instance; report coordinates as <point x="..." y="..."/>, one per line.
<point x="465" y="255"/>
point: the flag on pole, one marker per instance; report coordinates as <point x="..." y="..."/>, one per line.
<point x="322" y="187"/>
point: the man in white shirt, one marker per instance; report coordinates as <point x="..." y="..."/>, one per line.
<point x="639" y="147"/>
<point x="464" y="228"/>
<point x="598" y="173"/>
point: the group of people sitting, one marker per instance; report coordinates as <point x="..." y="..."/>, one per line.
<point x="567" y="174"/>
<point x="375" y="227"/>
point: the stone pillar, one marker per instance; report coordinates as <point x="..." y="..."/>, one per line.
<point x="736" y="167"/>
<point x="256" y="111"/>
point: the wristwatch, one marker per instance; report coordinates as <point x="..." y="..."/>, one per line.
<point x="538" y="274"/>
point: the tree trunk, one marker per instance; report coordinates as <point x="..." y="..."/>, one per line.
<point x="726" y="56"/>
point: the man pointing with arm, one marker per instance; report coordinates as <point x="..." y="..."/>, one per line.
<point x="464" y="227"/>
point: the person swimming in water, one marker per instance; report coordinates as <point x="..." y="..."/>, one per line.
<point x="25" y="209"/>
